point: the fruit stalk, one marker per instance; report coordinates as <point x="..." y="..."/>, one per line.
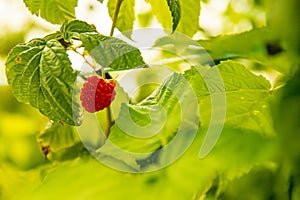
<point x="114" y="21"/>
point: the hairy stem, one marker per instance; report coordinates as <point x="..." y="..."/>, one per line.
<point x="115" y="16"/>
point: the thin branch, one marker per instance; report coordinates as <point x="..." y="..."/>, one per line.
<point x="115" y="17"/>
<point x="88" y="62"/>
<point x="114" y="22"/>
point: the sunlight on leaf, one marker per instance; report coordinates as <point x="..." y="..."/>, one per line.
<point x="53" y="11"/>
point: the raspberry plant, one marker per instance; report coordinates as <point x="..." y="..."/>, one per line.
<point x="257" y="154"/>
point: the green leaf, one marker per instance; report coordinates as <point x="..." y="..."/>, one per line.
<point x="59" y="136"/>
<point x="239" y="45"/>
<point x="247" y="97"/>
<point x="62" y="142"/>
<point x="189" y="15"/>
<point x="161" y="11"/>
<point x="254" y="45"/>
<point x="40" y="73"/>
<point x="174" y="6"/>
<point x="112" y="53"/>
<point x="33" y="6"/>
<point x="287" y="124"/>
<point x="54" y="11"/>
<point x="126" y="15"/>
<point x="149" y="126"/>
<point x="74" y="28"/>
<point x="16" y="183"/>
<point x="228" y="160"/>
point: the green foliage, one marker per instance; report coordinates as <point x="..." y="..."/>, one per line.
<point x="181" y="180"/>
<point x="73" y="29"/>
<point x="53" y="11"/>
<point x="61" y="142"/>
<point x="175" y="9"/>
<point x="157" y="117"/>
<point x="190" y="15"/>
<point x="187" y="17"/>
<point x="40" y="73"/>
<point x="256" y="156"/>
<point x="246" y="96"/>
<point x="259" y="45"/>
<point x="112" y="53"/>
<point x="287" y="125"/>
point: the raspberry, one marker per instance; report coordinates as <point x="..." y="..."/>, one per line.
<point x="97" y="93"/>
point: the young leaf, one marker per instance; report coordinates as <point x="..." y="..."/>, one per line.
<point x="62" y="142"/>
<point x="112" y="53"/>
<point x="126" y="16"/>
<point x="174" y="6"/>
<point x="74" y="28"/>
<point x="53" y="11"/>
<point x="40" y="73"/>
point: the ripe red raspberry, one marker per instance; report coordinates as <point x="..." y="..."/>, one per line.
<point x="97" y="93"/>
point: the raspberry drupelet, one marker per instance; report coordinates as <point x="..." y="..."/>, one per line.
<point x="97" y="93"/>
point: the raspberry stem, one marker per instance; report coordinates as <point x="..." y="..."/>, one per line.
<point x="110" y="121"/>
<point x="114" y="21"/>
<point x="86" y="60"/>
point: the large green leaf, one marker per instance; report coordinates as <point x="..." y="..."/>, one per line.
<point x="239" y="45"/>
<point x="126" y="16"/>
<point x="74" y="28"/>
<point x="112" y="53"/>
<point x="54" y="11"/>
<point x="184" y="179"/>
<point x="40" y="73"/>
<point x="165" y="119"/>
<point x="260" y="45"/>
<point x="246" y="97"/>
<point x="189" y="17"/>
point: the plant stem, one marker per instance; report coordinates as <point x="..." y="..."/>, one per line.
<point x="110" y="121"/>
<point x="115" y="17"/>
<point x="114" y="22"/>
<point x="86" y="60"/>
